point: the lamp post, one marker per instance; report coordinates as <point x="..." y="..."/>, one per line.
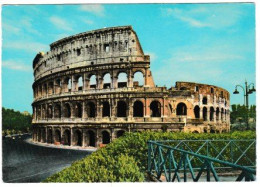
<point x="247" y="91"/>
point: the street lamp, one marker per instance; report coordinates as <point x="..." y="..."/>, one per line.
<point x="247" y="91"/>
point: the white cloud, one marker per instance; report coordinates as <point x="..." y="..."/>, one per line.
<point x="33" y="47"/>
<point x="10" y="28"/>
<point x="153" y="56"/>
<point x="97" y="9"/>
<point x="60" y="23"/>
<point x="15" y="65"/>
<point x="217" y="16"/>
<point x="87" y="21"/>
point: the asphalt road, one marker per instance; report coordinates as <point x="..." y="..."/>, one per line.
<point x="23" y="162"/>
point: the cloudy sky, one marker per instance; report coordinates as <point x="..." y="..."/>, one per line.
<point x="206" y="43"/>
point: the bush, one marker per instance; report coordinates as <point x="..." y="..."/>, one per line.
<point x="125" y="159"/>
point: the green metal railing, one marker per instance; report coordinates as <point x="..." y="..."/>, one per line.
<point x="183" y="159"/>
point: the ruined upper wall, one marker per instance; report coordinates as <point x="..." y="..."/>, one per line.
<point x="204" y="89"/>
<point x="103" y="46"/>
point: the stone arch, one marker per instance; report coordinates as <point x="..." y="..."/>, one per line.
<point x="43" y="131"/>
<point x="217" y="114"/>
<point x="211" y="116"/>
<point x="92" y="81"/>
<point x="197" y="112"/>
<point x="105" y="109"/>
<point x="205" y="114"/>
<point x="91" y="138"/>
<point x="122" y="79"/>
<point x="49" y="136"/>
<point x="120" y="133"/>
<point x="58" y="86"/>
<point x="45" y="89"/>
<point x="205" y="100"/>
<point x="222" y="114"/>
<point x="66" y="137"/>
<point x="138" y="78"/>
<point x="78" y="138"/>
<point x="57" y="111"/>
<point x="79" y="83"/>
<point x="155" y="108"/>
<point x="91" y="109"/>
<point x="78" y="110"/>
<point x="181" y="109"/>
<point x="57" y="136"/>
<point x="67" y="110"/>
<point x="138" y="109"/>
<point x="107" y="80"/>
<point x="50" y="88"/>
<point x="44" y="112"/>
<point x="195" y="131"/>
<point x="39" y="135"/>
<point x="49" y="111"/>
<point x="68" y="84"/>
<point x="105" y="137"/>
<point x="121" y="109"/>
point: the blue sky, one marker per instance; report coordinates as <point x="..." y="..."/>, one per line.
<point x="206" y="43"/>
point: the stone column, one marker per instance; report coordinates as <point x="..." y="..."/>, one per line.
<point x="72" y="110"/>
<point x="73" y="84"/>
<point x="46" y="134"/>
<point x="114" y="81"/>
<point x="201" y="112"/>
<point x="208" y="114"/>
<point x="130" y="78"/>
<point x="84" y="115"/>
<point x="84" y="138"/>
<point x="71" y="137"/>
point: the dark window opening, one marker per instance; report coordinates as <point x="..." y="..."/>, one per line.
<point x="57" y="111"/>
<point x="105" y="137"/>
<point x="78" y="138"/>
<point x="196" y="88"/>
<point x="78" y="111"/>
<point x="121" y="109"/>
<point x="106" y="109"/>
<point x="138" y="109"/>
<point x="66" y="140"/>
<point x="155" y="108"/>
<point x="78" y="52"/>
<point x="197" y="112"/>
<point x="57" y="136"/>
<point x="212" y="90"/>
<point x="58" y="57"/>
<point x="92" y="139"/>
<point x="211" y="116"/>
<point x="120" y="133"/>
<point x="181" y="109"/>
<point x="67" y="111"/>
<point x="204" y="100"/>
<point x="49" y="136"/>
<point x="106" y="48"/>
<point x="205" y="114"/>
<point x="91" y="110"/>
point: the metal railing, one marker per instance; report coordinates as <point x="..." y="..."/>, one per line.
<point x="189" y="159"/>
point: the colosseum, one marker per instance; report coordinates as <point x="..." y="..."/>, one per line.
<point x="86" y="93"/>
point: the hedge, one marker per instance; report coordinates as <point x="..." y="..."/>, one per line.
<point x="125" y="159"/>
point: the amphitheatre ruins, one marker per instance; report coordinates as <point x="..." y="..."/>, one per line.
<point x="86" y="93"/>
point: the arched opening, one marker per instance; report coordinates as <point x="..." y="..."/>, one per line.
<point x="58" y="86"/>
<point x="122" y="80"/>
<point x="197" y="112"/>
<point x="121" y="109"/>
<point x="183" y="88"/>
<point x="57" y="138"/>
<point x="106" y="109"/>
<point x="222" y="114"/>
<point x="105" y="137"/>
<point x="57" y="111"/>
<point x="68" y="84"/>
<point x="195" y="132"/>
<point x="138" y="79"/>
<point x="138" y="109"/>
<point x="43" y="112"/>
<point x="78" y="138"/>
<point x="51" y="88"/>
<point x="225" y="115"/>
<point x="205" y="113"/>
<point x="91" y="109"/>
<point x="120" y="133"/>
<point x="39" y="135"/>
<point x="49" y="111"/>
<point x="211" y="114"/>
<point x="43" y="135"/>
<point x="217" y="114"/>
<point x="204" y="101"/>
<point x="78" y="110"/>
<point x="49" y="136"/>
<point x="155" y="108"/>
<point x="212" y="131"/>
<point x="93" y="81"/>
<point x="66" y="135"/>
<point x="181" y="109"/>
<point x="45" y="89"/>
<point x="92" y="139"/>
<point x="79" y="83"/>
<point x="107" y="81"/>
<point x="67" y="111"/>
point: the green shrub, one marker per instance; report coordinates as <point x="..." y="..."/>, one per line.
<point x="125" y="159"/>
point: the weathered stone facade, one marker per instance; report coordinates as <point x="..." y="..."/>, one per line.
<point x="74" y="104"/>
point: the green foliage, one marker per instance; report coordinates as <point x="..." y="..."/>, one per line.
<point x="239" y="113"/>
<point x="15" y="122"/>
<point x="125" y="159"/>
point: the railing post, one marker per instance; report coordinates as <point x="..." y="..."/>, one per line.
<point x="184" y="166"/>
<point x="149" y="157"/>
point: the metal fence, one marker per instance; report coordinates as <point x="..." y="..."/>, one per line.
<point x="184" y="160"/>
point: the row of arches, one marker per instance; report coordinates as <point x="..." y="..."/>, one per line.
<point x="91" y="81"/>
<point x="73" y="138"/>
<point x="218" y="114"/>
<point x="89" y="110"/>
